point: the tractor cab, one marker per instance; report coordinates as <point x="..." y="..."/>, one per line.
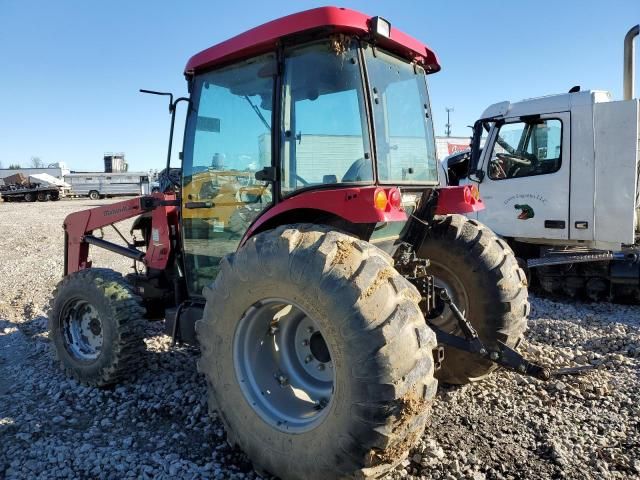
<point x="307" y="107"/>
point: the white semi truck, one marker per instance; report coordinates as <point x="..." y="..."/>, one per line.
<point x="560" y="179"/>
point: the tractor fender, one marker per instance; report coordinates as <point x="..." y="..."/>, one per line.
<point x="351" y="208"/>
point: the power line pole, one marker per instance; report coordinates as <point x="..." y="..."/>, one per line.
<point x="447" y="130"/>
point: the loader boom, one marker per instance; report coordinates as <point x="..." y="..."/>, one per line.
<point x="79" y="227"/>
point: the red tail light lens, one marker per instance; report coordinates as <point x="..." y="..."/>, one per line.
<point x="395" y="198"/>
<point x="468" y="196"/>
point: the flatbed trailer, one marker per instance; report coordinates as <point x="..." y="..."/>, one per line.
<point x="29" y="193"/>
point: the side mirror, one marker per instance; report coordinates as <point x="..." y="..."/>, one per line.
<point x="267" y="174"/>
<point x="476" y="176"/>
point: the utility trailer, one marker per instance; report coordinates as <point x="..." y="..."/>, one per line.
<point x="560" y="176"/>
<point x="96" y="185"/>
<point x="16" y="188"/>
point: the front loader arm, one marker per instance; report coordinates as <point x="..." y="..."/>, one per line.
<point x="79" y="227"/>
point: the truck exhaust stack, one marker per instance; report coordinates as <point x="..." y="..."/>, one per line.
<point x="629" y="67"/>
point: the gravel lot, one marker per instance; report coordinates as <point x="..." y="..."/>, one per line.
<point x="157" y="426"/>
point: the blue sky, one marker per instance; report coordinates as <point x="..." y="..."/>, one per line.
<point x="70" y="70"/>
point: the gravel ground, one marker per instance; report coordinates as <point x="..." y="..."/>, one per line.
<point x="157" y="427"/>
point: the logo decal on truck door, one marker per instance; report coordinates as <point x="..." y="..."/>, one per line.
<point x="526" y="212"/>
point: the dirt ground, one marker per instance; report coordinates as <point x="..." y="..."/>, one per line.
<point x="156" y="426"/>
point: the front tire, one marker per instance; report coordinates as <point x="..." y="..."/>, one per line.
<point x="95" y="327"/>
<point x="94" y="195"/>
<point x="278" y="294"/>
<point x="482" y="277"/>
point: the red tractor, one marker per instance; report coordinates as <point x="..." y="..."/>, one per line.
<point x="306" y="247"/>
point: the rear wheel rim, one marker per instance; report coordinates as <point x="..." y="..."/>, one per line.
<point x="442" y="316"/>
<point x="283" y="365"/>
<point x="82" y="330"/>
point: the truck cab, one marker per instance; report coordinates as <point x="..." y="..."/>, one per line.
<point x="560" y="170"/>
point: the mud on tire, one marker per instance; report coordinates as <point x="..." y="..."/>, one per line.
<point x="483" y="278"/>
<point x="96" y="352"/>
<point x="380" y="351"/>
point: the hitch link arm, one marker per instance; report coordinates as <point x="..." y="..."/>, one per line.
<point x="503" y="355"/>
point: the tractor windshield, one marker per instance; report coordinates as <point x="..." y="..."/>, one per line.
<point x="405" y="145"/>
<point x="324" y="122"/>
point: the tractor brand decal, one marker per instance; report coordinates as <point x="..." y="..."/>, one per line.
<point x="117" y="211"/>
<point x="526" y="212"/>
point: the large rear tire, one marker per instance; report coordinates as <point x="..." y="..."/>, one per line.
<point x="482" y="276"/>
<point x="284" y="291"/>
<point x="95" y="327"/>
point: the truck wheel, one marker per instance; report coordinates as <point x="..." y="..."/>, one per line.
<point x="95" y="327"/>
<point x="316" y="355"/>
<point x="94" y="195"/>
<point x="482" y="276"/>
<point x="42" y="196"/>
<point x="30" y="197"/>
<point x="54" y="196"/>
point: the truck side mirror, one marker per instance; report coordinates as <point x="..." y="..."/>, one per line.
<point x="476" y="176"/>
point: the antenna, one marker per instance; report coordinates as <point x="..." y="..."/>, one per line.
<point x="447" y="130"/>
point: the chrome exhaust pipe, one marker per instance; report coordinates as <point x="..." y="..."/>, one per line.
<point x="629" y="68"/>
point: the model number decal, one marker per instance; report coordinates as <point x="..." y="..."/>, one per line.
<point x="117" y="211"/>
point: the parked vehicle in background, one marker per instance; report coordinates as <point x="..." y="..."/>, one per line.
<point x="560" y="176"/>
<point x="41" y="187"/>
<point x="97" y="185"/>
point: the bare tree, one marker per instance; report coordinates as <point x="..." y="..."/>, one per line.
<point x="14" y="166"/>
<point x="36" y="162"/>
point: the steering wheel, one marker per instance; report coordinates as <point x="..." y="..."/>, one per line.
<point x="525" y="162"/>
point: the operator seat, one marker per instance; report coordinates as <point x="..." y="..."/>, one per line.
<point x="359" y="171"/>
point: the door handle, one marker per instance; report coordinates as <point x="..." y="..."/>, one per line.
<point x="199" y="205"/>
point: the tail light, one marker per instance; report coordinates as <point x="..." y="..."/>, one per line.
<point x="395" y="198"/>
<point x="380" y="200"/>
<point x="459" y="199"/>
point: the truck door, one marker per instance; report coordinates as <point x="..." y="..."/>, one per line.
<point x="526" y="184"/>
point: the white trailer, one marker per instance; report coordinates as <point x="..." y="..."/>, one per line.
<point x="97" y="185"/>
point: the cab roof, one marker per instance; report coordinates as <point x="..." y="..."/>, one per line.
<point x="338" y="20"/>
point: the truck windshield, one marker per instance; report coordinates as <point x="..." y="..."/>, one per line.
<point x="405" y="144"/>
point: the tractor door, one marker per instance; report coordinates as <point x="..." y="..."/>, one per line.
<point x="526" y="184"/>
<point x="227" y="140"/>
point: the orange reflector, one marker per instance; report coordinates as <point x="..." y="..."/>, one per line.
<point x="380" y="200"/>
<point x="475" y="193"/>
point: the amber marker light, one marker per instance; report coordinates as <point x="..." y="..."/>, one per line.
<point x="380" y="200"/>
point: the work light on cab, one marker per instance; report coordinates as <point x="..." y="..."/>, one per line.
<point x="381" y="27"/>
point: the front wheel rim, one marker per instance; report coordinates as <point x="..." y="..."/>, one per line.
<point x="283" y="365"/>
<point x="82" y="330"/>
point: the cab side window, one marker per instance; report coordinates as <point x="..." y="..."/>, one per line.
<point x="524" y="149"/>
